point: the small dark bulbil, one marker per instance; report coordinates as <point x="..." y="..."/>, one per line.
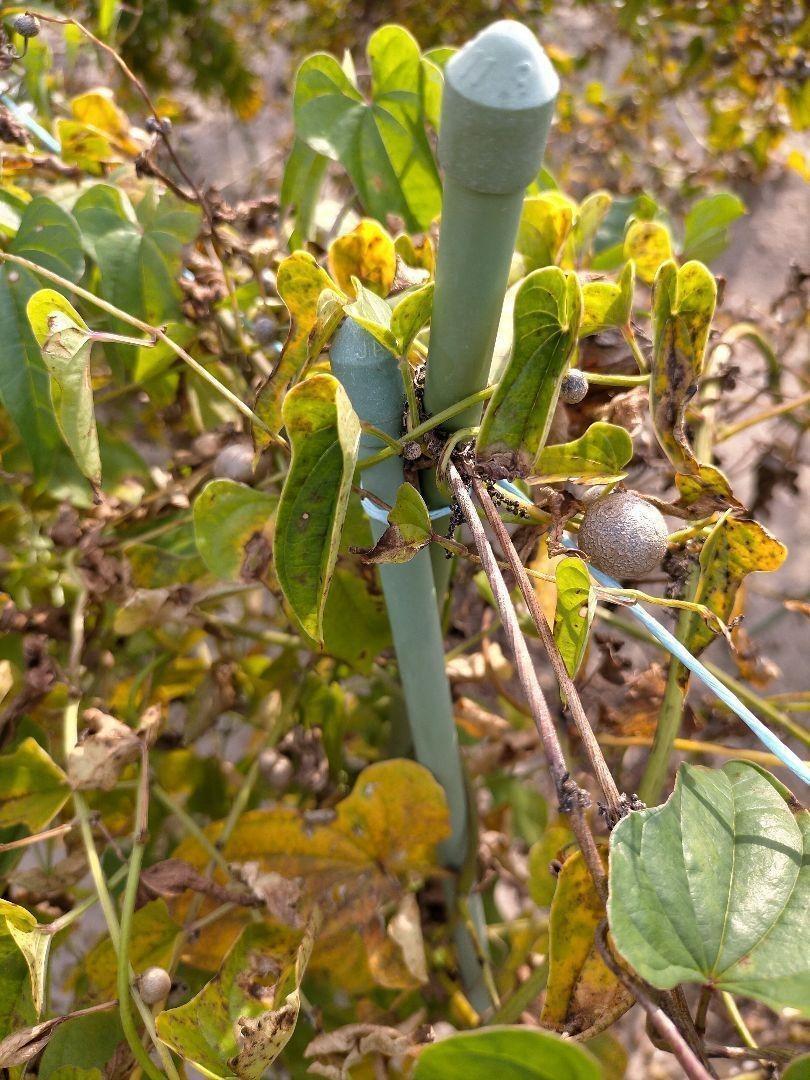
<point x="574" y="386"/>
<point x="623" y="535"/>
<point x="25" y="25"/>
<point x="264" y="330"/>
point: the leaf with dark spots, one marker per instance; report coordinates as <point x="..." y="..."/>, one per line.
<point x="735" y="548"/>
<point x="325" y="435"/>
<point x="300" y="282"/>
<point x="583" y="994"/>
<point x="682" y="308"/>
<point x="233" y="529"/>
<point x="408" y="531"/>
<point x="240" y="1021"/>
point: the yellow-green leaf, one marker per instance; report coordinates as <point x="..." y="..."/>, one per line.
<point x="596" y="457"/>
<point x="649" y="244"/>
<point x="576" y="605"/>
<point x="551" y="847"/>
<point x="682" y="308"/>
<point x="233" y="528"/>
<point x="373" y="314"/>
<point x="367" y="253"/>
<point x="151" y="945"/>
<point x="300" y="281"/>
<point x="65" y="341"/>
<point x="325" y="435"/>
<point x="605" y="303"/>
<point x="733" y="549"/>
<point x="548" y="310"/>
<point x="34" y="942"/>
<point x="589" y="216"/>
<point x="410" y="315"/>
<point x="33" y="789"/>
<point x="545" y="225"/>
<point x="582" y="993"/>
<point x="240" y="1021"/>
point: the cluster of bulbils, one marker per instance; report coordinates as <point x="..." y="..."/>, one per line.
<point x="621" y="534"/>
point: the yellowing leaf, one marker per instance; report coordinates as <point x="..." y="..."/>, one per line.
<point x="151" y="945"/>
<point x="32" y="787"/>
<point x="367" y="253"/>
<point x="300" y="281"/>
<point x="682" y="308"/>
<point x="596" y="457"/>
<point x="240" y="1021"/>
<point x="97" y="109"/>
<point x="84" y="146"/>
<point x="733" y="549"/>
<point x="325" y="435"/>
<point x="548" y="309"/>
<point x="65" y="341"/>
<point x="551" y="847"/>
<point x="417" y="253"/>
<point x="576" y="605"/>
<point x="649" y="244"/>
<point x="233" y="528"/>
<point x="606" y="304"/>
<point x="33" y="941"/>
<point x="545" y="225"/>
<point x="582" y="993"/>
<point x="349" y="863"/>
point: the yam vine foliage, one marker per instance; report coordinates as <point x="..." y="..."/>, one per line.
<point x="216" y="850"/>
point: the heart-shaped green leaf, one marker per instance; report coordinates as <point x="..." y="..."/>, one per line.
<point x="508" y="1053"/>
<point x="548" y="310"/>
<point x="713" y="887"/>
<point x="408" y="529"/>
<point x="325" y="435"/>
<point x="381" y="143"/>
<point x="138" y="251"/>
<point x="48" y="236"/>
<point x="596" y="457"/>
<point x="33" y="789"/>
<point x="707" y="224"/>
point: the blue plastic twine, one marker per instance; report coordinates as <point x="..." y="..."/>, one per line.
<point x="788" y="758"/>
<point x="29" y="122"/>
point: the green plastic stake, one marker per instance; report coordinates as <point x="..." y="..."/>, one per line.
<point x="372" y="380"/>
<point x="499" y="94"/>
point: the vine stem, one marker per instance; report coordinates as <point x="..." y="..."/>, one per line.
<point x="568" y="793"/>
<point x="761" y="417"/>
<point x="154" y="331"/>
<point x="736" y="1018"/>
<point x="426" y="426"/>
<point x="638" y="355"/>
<point x="677" y="686"/>
<point x="683" y="1052"/>
<point x="124" y="982"/>
<point x="70" y="735"/>
<point x="615" y="807"/>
